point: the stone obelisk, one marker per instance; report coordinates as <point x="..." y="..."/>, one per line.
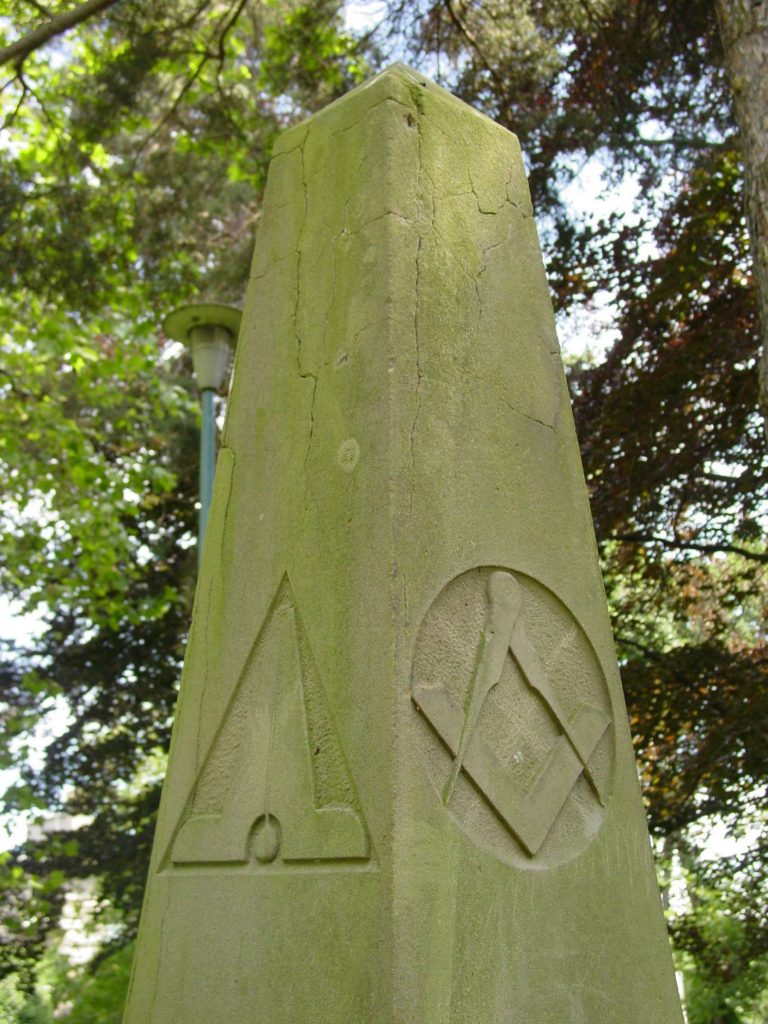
<point x="401" y="787"/>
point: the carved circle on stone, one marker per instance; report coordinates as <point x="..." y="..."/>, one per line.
<point x="348" y="454"/>
<point x="515" y="717"/>
<point x="266" y="836"/>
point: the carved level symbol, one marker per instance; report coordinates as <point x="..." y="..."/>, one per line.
<point x="531" y="816"/>
<point x="274" y="786"/>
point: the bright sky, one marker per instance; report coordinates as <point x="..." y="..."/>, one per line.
<point x="362" y="15"/>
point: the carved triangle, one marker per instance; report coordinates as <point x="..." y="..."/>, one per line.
<point x="275" y="786"/>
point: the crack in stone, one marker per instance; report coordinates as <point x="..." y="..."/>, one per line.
<point x="484" y="252"/>
<point x="311" y="431"/>
<point x="476" y="194"/>
<point x="525" y="214"/>
<point x="511" y="405"/>
<point x="483" y="210"/>
<point x="227" y="448"/>
<point x="333" y="360"/>
<point x="448" y="251"/>
<point x="480" y="210"/>
<point x="286" y="152"/>
<point x="297" y="301"/>
<point x="527" y="415"/>
<point x="163" y="919"/>
<point x="381" y="216"/>
<point x="268" y="266"/>
<point x="417" y="282"/>
<point x="210" y="590"/>
<point x="366" y="113"/>
<point x="419" y="377"/>
<point x="303" y="373"/>
<point x="560" y="377"/>
<point x="341" y="234"/>
<point x="466" y="376"/>
<point x="490" y="248"/>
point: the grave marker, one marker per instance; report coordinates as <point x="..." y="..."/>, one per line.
<point x="401" y="785"/>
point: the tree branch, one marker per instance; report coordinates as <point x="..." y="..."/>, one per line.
<point x="649" y="652"/>
<point x="24" y="90"/>
<point x="18" y="52"/>
<point x="226" y="23"/>
<point x="683" y="545"/>
<point x="39" y="7"/>
<point x="463" y="30"/>
<point x="686" y="142"/>
<point x="172" y="110"/>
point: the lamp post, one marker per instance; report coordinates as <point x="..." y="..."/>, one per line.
<point x="210" y="330"/>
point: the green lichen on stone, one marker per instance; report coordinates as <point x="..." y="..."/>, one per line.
<point x="401" y="786"/>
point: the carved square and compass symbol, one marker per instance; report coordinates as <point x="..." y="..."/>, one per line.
<point x="516" y="716"/>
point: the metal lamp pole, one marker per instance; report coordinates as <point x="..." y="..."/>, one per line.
<point x="211" y="332"/>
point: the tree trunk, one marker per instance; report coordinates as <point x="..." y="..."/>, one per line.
<point x="744" y="32"/>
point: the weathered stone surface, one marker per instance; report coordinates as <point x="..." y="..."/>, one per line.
<point x="401" y="786"/>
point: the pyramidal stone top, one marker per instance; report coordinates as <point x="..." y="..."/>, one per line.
<point x="401" y="785"/>
<point x="399" y="83"/>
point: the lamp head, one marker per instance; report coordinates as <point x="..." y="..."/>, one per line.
<point x="210" y="330"/>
